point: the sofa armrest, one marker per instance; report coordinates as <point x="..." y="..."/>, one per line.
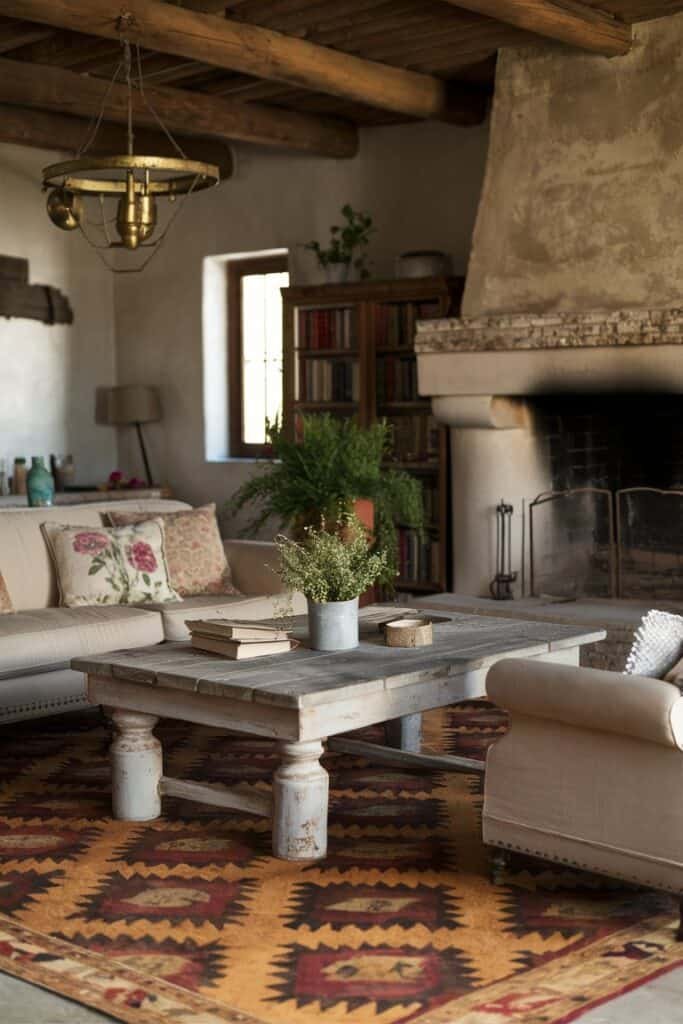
<point x="646" y="709"/>
<point x="250" y="562"/>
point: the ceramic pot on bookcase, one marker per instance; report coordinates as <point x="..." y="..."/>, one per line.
<point x="333" y="625"/>
<point x="40" y="486"/>
<point x="337" y="273"/>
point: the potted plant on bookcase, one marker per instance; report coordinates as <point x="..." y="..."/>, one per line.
<point x="332" y="469"/>
<point x="332" y="568"/>
<point x="345" y="255"/>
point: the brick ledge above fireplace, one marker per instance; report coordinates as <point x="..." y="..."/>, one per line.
<point x="545" y="353"/>
<point x="515" y="331"/>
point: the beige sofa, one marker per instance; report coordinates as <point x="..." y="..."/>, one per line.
<point x="38" y="640"/>
<point x="590" y="772"/>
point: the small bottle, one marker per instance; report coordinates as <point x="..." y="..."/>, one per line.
<point x="39" y="483"/>
<point x="19" y="476"/>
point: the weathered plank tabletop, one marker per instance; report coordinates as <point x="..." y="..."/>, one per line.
<point x="300" y="698"/>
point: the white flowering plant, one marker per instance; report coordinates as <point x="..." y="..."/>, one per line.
<point x="331" y="565"/>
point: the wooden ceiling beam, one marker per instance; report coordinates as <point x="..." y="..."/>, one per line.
<point x="14" y="34"/>
<point x="567" y="21"/>
<point x="43" y="130"/>
<point x="256" y="51"/>
<point x="192" y="113"/>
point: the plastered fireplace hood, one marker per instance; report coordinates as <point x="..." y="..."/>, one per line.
<point x="524" y="354"/>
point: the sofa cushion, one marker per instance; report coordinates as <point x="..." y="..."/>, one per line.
<point x="120" y="565"/>
<point x="24" y="556"/>
<point x="53" y="636"/>
<point x="207" y="606"/>
<point x="194" y="550"/>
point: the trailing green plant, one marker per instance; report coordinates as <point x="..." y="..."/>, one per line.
<point x="345" y="240"/>
<point x="331" y="564"/>
<point x="319" y="477"/>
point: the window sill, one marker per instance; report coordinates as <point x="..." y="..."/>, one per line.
<point x="238" y="459"/>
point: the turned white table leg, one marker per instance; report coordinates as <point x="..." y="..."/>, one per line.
<point x="135" y="766"/>
<point x="300" y="796"/>
<point x="405" y="733"/>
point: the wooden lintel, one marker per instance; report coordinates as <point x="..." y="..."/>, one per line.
<point x="567" y="21"/>
<point x="262" y="52"/>
<point x="42" y="129"/>
<point x="192" y="113"/>
<point x="27" y="301"/>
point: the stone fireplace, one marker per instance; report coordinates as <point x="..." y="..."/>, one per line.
<point x="565" y="371"/>
<point x="583" y="407"/>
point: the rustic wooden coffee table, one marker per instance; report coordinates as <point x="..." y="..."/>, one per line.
<point x="300" y="699"/>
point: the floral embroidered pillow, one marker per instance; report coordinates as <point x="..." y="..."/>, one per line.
<point x="126" y="565"/>
<point x="5" y="600"/>
<point x="194" y="549"/>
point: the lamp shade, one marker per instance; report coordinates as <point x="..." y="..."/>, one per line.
<point x="135" y="404"/>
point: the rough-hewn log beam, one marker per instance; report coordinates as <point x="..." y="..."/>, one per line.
<point x="255" y="51"/>
<point x="564" y="20"/>
<point x="50" y="88"/>
<point x="43" y="130"/>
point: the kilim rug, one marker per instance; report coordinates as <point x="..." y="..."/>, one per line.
<point x="189" y="920"/>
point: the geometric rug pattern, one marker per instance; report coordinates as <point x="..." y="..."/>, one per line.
<point x="189" y="920"/>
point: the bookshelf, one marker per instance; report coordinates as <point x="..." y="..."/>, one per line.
<point x="348" y="350"/>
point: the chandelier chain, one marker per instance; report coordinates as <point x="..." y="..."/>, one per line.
<point x="145" y="100"/>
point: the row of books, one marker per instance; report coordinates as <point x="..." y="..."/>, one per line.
<point x="237" y="640"/>
<point x="395" y="322"/>
<point x="397" y="379"/>
<point x="329" y="380"/>
<point x="416" y="437"/>
<point x="323" y="329"/>
<point x="418" y="557"/>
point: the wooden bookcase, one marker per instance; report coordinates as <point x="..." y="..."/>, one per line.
<point x="348" y="350"/>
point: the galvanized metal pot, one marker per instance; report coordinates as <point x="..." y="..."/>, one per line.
<point x="333" y="625"/>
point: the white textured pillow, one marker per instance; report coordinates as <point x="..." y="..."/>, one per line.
<point x="125" y="565"/>
<point x="658" y="645"/>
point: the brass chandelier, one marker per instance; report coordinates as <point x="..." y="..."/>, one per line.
<point x="134" y="181"/>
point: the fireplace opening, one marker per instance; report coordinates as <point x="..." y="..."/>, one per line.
<point x="612" y="524"/>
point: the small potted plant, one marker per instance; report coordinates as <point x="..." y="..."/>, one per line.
<point x="332" y="569"/>
<point x="346" y="251"/>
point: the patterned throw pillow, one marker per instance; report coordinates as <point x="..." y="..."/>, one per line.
<point x="194" y="549"/>
<point x="5" y="600"/>
<point x="126" y="565"/>
<point x="657" y="646"/>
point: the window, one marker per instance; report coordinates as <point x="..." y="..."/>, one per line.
<point x="255" y="342"/>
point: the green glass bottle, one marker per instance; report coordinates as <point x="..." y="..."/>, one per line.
<point x="39" y="483"/>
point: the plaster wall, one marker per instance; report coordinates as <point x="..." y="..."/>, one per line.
<point x="583" y="199"/>
<point x="49" y="373"/>
<point x="420" y="182"/>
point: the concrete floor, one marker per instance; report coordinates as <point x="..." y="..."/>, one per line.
<point x="661" y="1002"/>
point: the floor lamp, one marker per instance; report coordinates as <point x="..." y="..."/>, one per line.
<point x="133" y="406"/>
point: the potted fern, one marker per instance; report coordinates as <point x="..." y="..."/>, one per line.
<point x="320" y="477"/>
<point x="332" y="568"/>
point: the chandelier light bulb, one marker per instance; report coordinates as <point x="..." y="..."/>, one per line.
<point x="64" y="208"/>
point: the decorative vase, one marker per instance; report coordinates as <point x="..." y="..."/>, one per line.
<point x="337" y="273"/>
<point x="333" y="625"/>
<point x="40" y="486"/>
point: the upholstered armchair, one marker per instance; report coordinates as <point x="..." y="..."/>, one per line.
<point x="590" y="772"/>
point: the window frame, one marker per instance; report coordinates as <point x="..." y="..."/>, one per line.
<point x="238" y="269"/>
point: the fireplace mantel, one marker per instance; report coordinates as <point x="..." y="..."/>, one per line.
<point x="536" y="353"/>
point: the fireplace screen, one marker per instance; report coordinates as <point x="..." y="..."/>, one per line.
<point x="590" y="542"/>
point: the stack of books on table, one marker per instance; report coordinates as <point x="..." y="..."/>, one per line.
<point x="236" y="639"/>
